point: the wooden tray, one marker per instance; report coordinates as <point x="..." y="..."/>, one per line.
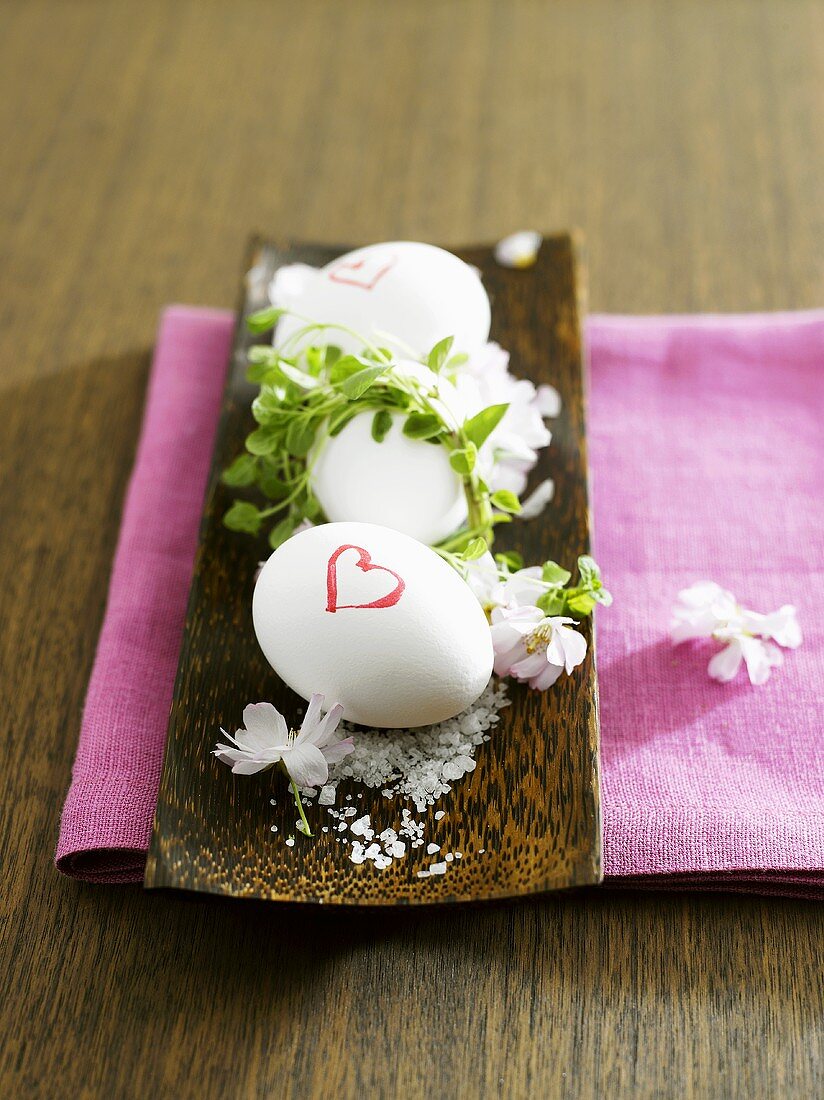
<point x="532" y="802"/>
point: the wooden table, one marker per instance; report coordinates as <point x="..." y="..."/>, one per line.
<point x="140" y="144"/>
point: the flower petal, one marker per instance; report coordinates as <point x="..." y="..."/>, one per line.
<point x="546" y="677"/>
<point x="760" y="659"/>
<point x="250" y="766"/>
<point x="306" y="765"/>
<point x="726" y="663"/>
<point x="537" y="500"/>
<point x="265" y="723"/>
<point x="310" y="720"/>
<point x="328" y="726"/>
<point x="337" y="750"/>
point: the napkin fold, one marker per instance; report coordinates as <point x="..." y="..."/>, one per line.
<point x="705" y="444"/>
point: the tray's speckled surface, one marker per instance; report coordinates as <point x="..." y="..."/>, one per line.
<point x="532" y="802"/>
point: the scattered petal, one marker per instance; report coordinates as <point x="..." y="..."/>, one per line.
<point x="518" y="250"/>
<point x="537" y="500"/>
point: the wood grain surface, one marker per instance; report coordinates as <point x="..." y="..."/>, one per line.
<point x="527" y="819"/>
<point x="140" y="143"/>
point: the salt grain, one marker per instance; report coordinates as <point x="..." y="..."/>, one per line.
<point x="327" y="795"/>
<point x="431" y="849"/>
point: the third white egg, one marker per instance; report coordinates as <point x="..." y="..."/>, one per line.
<point x="415" y="292"/>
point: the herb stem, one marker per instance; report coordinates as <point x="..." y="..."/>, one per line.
<point x="306" y="830"/>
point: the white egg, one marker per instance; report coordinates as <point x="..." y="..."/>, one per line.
<point x="407" y="484"/>
<point x="373" y="620"/>
<point x="401" y="483"/>
<point x="416" y="292"/>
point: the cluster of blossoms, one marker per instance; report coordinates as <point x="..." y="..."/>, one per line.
<point x="705" y="610"/>
<point x="511" y="450"/>
<point x="533" y="639"/>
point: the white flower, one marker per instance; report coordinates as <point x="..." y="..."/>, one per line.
<point x="266" y="740"/>
<point x="701" y="610"/>
<point x="705" y="610"/>
<point x="483" y="578"/>
<point x="531" y="646"/>
<point x="512" y="448"/>
<point x="759" y="657"/>
<point x="518" y="249"/>
<point x="518" y="590"/>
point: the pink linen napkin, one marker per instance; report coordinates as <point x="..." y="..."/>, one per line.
<point x="707" y="461"/>
<point x="705" y="439"/>
<point x="107" y="818"/>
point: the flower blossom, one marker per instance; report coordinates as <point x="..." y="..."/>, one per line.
<point x="705" y="610"/>
<point x="512" y="448"/>
<point x="266" y="740"/>
<point x="534" y="647"/>
<point x="518" y="250"/>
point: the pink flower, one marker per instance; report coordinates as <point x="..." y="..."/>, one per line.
<point x="266" y="740"/>
<point x="533" y="647"/>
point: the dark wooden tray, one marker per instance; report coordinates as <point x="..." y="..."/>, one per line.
<point x="533" y="800"/>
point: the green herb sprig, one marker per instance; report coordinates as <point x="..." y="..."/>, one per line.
<point x="308" y="394"/>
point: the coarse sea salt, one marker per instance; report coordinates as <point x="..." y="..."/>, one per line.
<point x="414" y="766"/>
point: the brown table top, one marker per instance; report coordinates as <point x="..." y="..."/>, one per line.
<point x="141" y="143"/>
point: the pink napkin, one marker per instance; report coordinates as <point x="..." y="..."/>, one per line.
<point x="705" y="439"/>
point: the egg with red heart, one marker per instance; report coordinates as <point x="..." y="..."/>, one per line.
<point x="413" y="292"/>
<point x="374" y="620"/>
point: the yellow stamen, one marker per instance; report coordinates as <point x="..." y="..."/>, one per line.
<point x="539" y="638"/>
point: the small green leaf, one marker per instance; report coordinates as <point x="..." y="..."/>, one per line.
<point x="506" y="501"/>
<point x="581" y="603"/>
<point x="381" y="425"/>
<point x="242" y="471"/>
<point x="333" y="354"/>
<point x="281" y="532"/>
<point x="346" y="367"/>
<point x="457" y="360"/>
<point x="268" y="406"/>
<point x="261" y="373"/>
<point x="299" y="377"/>
<point x="422" y="426"/>
<point x="300" y="436"/>
<point x="272" y="486"/>
<point x="263" y="441"/>
<point x="475" y="549"/>
<point x="311" y="507"/>
<point x="552" y="602"/>
<point x="462" y="460"/>
<point x="243" y="516"/>
<point x="438" y="356"/>
<point x="339" y="419"/>
<point x="264" y="319"/>
<point x="478" y="429"/>
<point x="553" y="574"/>
<point x="511" y="560"/>
<point x="357" y="384"/>
<point x="590" y="573"/>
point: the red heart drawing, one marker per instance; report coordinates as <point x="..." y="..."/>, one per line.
<point x="365" y="564"/>
<point x="361" y="273"/>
